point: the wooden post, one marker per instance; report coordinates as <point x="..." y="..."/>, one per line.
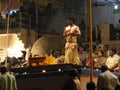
<point x="91" y="45"/>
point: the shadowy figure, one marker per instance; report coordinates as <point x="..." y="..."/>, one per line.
<point x="118" y="85"/>
<point x="7" y="81"/>
<point x="106" y="80"/>
<point x="91" y="86"/>
<point x="49" y="10"/>
<point x="73" y="82"/>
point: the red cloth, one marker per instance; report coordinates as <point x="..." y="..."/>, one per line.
<point x="88" y="63"/>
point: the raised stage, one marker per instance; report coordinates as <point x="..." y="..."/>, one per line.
<point x="47" y="68"/>
<point x="50" y="77"/>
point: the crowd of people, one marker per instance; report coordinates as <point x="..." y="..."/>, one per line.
<point x="105" y="56"/>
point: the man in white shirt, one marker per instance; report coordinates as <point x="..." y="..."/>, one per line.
<point x="107" y="80"/>
<point x="112" y="59"/>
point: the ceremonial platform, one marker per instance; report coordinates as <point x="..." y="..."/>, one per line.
<point x="50" y="77"/>
<point x="47" y="68"/>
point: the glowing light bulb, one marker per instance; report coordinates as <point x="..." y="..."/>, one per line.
<point x="116" y="6"/>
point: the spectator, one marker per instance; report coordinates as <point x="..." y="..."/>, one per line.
<point x="61" y="59"/>
<point x="82" y="54"/>
<point x="106" y="80"/>
<point x="112" y="59"/>
<point x="56" y="53"/>
<point x="7" y="81"/>
<point x="106" y="50"/>
<point x="88" y="61"/>
<point x="100" y="60"/>
<point x="73" y="82"/>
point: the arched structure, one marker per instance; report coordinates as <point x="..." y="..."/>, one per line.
<point x="47" y="43"/>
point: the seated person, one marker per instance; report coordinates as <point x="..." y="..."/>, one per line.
<point x="112" y="59"/>
<point x="61" y="59"/>
<point x="88" y="64"/>
<point x="100" y="60"/>
<point x="82" y="54"/>
<point x="88" y="61"/>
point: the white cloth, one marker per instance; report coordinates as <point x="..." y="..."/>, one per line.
<point x="111" y="61"/>
<point x="107" y="81"/>
<point x="71" y="52"/>
<point x="8" y="82"/>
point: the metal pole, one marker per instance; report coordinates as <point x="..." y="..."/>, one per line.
<point x="91" y="46"/>
<point x="8" y="19"/>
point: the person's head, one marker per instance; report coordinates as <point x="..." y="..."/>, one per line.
<point x="56" y="53"/>
<point x="100" y="53"/>
<point x="112" y="51"/>
<point x="106" y="47"/>
<point x="91" y="86"/>
<point x="71" y="20"/>
<point x="103" y="68"/>
<point x="3" y="70"/>
<point x="81" y="48"/>
<point x="87" y="56"/>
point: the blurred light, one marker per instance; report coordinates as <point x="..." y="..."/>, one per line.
<point x="43" y="71"/>
<point x="10" y="12"/>
<point x="8" y="49"/>
<point x="59" y="70"/>
<point x="14" y="52"/>
<point x="25" y="73"/>
<point x="116" y="6"/>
